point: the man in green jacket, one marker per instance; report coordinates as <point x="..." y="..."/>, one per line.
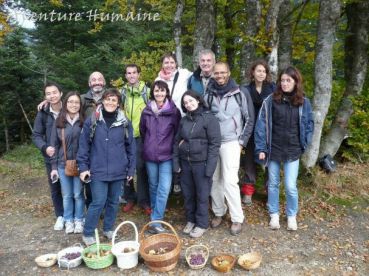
<point x="134" y="99"/>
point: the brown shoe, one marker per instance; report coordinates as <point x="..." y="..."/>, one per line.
<point x="236" y="228"/>
<point x="216" y="221"/>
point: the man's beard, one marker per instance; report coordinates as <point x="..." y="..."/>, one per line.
<point x="97" y="89"/>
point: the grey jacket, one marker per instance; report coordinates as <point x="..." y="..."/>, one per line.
<point x="235" y="114"/>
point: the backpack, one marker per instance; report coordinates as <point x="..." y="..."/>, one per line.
<point x="143" y="94"/>
<point x="94" y="117"/>
<point x="327" y="163"/>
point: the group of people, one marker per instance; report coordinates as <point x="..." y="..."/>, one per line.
<point x="187" y="127"/>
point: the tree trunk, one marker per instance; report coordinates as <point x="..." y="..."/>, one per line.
<point x="329" y="13"/>
<point x="248" y="51"/>
<point x="177" y="30"/>
<point x="6" y="134"/>
<point x="25" y="115"/>
<point x="356" y="65"/>
<point x="205" y="27"/>
<point x="229" y="45"/>
<point x="272" y="32"/>
<point x="285" y="34"/>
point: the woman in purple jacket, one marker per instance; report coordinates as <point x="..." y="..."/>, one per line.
<point x="158" y="126"/>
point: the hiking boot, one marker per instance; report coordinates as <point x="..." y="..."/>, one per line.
<point x="69" y="227"/>
<point x="274" y="222"/>
<point x="147" y="210"/>
<point x="108" y="234"/>
<point x="59" y="224"/>
<point x="188" y="228"/>
<point x="88" y="240"/>
<point x="78" y="226"/>
<point x="216" y="221"/>
<point x="128" y="207"/>
<point x="197" y="232"/>
<point x="291" y="223"/>
<point x="236" y="228"/>
<point x="247" y="200"/>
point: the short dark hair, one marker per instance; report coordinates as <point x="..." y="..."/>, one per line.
<point x="161" y="85"/>
<point x="193" y="95"/>
<point x="51" y="83"/>
<point x="132" y="65"/>
<point x="112" y="92"/>
<point x="169" y="55"/>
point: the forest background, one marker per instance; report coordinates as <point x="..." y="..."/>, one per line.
<point x="327" y="40"/>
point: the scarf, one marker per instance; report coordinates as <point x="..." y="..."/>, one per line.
<point x="156" y="109"/>
<point x="165" y="75"/>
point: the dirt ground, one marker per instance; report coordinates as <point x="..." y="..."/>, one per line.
<point x="330" y="240"/>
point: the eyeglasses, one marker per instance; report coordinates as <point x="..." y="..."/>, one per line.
<point x="220" y="73"/>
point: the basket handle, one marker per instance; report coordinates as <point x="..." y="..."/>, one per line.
<point x="97" y="242"/>
<point x="142" y="233"/>
<point x="120" y="225"/>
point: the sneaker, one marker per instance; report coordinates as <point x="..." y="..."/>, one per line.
<point x="247" y="200"/>
<point x="108" y="234"/>
<point x="236" y="228"/>
<point x="59" y="224"/>
<point x="177" y="189"/>
<point x="78" y="226"/>
<point x="274" y="221"/>
<point x="188" y="228"/>
<point x="197" y="232"/>
<point x="157" y="230"/>
<point x="291" y="223"/>
<point x="122" y="200"/>
<point x="69" y="227"/>
<point x="216" y="221"/>
<point x="88" y="240"/>
<point x="147" y="210"/>
<point x="128" y="207"/>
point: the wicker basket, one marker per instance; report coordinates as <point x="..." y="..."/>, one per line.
<point x="223" y="268"/>
<point x="250" y="260"/>
<point x="163" y="262"/>
<point x="46" y="260"/>
<point x="65" y="263"/>
<point x="100" y="261"/>
<point x="197" y="249"/>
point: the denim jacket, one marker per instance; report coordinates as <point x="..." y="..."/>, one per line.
<point x="263" y="128"/>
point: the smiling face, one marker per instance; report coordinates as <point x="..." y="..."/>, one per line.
<point x="206" y="62"/>
<point x="169" y="65"/>
<point x="159" y="95"/>
<point x="132" y="76"/>
<point x="259" y="73"/>
<point x="110" y="103"/>
<point x="190" y="103"/>
<point x="96" y="82"/>
<point x="221" y="73"/>
<point x="287" y="83"/>
<point x="52" y="94"/>
<point x="73" y="105"/>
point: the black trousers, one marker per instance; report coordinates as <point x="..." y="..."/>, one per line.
<point x="56" y="194"/>
<point x="196" y="189"/>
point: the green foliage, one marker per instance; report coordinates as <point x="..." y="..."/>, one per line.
<point x="26" y="155"/>
<point x="359" y="129"/>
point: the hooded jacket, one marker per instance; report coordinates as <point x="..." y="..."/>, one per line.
<point x="263" y="128"/>
<point x="109" y="155"/>
<point x="158" y="132"/>
<point x="198" y="140"/>
<point x="88" y="103"/>
<point x="235" y="121"/>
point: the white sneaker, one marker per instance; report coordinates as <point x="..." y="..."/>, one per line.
<point x="291" y="223"/>
<point x="247" y="200"/>
<point x="188" y="228"/>
<point x="78" y="226"/>
<point x="274" y="221"/>
<point x="59" y="224"/>
<point x="69" y="227"/>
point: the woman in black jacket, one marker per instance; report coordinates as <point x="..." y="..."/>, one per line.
<point x="195" y="156"/>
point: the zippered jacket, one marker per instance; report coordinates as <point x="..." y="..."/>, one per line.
<point x="198" y="139"/>
<point x="158" y="132"/>
<point x="263" y="128"/>
<point x="110" y="155"/>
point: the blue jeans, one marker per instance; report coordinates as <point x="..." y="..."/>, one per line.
<point x="73" y="197"/>
<point x="104" y="194"/>
<point x="160" y="179"/>
<point x="291" y="170"/>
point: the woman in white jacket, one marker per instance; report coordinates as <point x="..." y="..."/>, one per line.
<point x="176" y="78"/>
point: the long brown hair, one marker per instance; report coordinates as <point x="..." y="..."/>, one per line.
<point x="298" y="98"/>
<point x="62" y="118"/>
<point x="263" y="63"/>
